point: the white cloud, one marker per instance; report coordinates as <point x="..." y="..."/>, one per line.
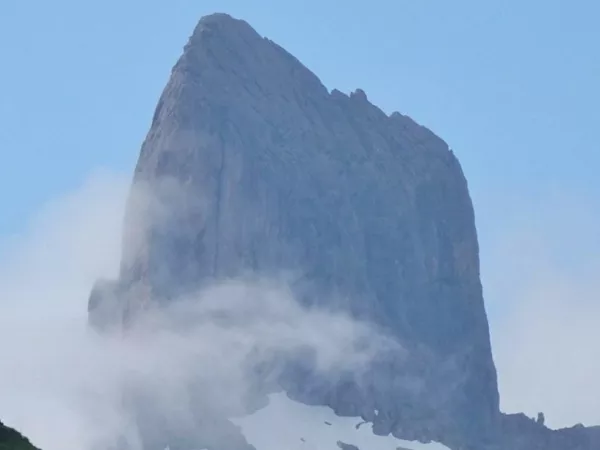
<point x="45" y="276"/>
<point x="65" y="387"/>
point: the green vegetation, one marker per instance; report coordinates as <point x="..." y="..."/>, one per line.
<point x="13" y="440"/>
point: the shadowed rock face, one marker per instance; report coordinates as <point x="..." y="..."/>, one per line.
<point x="252" y="166"/>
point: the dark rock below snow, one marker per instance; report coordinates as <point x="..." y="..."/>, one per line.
<point x="345" y="446"/>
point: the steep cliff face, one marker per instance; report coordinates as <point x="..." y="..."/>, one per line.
<point x="252" y="165"/>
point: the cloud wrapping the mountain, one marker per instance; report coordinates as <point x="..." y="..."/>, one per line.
<point x="69" y="388"/>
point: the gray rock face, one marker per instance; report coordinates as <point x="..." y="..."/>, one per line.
<point x="252" y="165"/>
<point x="257" y="167"/>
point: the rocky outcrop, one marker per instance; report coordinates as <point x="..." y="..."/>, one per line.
<point x="252" y="166"/>
<point x="519" y="432"/>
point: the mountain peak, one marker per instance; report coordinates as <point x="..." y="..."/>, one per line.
<point x="218" y="35"/>
<point x="256" y="168"/>
<point x="223" y="24"/>
<point x="276" y="174"/>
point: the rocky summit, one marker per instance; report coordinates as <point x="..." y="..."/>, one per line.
<point x="252" y="166"/>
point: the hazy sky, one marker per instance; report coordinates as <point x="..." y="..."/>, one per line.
<point x="512" y="86"/>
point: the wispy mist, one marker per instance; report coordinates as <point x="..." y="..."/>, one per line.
<point x="69" y="388"/>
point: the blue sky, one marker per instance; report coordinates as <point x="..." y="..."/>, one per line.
<point x="512" y="86"/>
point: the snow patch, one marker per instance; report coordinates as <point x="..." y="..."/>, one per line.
<point x="285" y="423"/>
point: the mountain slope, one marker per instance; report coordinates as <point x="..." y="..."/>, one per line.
<point x="11" y="439"/>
